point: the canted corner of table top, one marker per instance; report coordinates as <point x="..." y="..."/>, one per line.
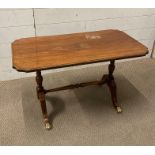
<point x="40" y="53"/>
<point x="48" y="52"/>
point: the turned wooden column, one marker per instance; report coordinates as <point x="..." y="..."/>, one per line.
<point x="112" y="86"/>
<point x="41" y="97"/>
<point x="111" y="69"/>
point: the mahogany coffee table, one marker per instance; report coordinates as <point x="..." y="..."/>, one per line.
<point x="49" y="52"/>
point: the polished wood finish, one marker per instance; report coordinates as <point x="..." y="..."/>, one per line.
<point x="106" y="79"/>
<point x="41" y="97"/>
<point x="78" y="85"/>
<point x="39" y="53"/>
<point x="111" y="84"/>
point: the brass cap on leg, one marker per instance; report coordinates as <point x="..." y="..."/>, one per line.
<point x="48" y="126"/>
<point x="119" y="110"/>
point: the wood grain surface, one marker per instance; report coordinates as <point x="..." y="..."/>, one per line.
<point x="47" y="52"/>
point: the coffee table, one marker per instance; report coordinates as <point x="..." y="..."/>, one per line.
<point x="49" y="52"/>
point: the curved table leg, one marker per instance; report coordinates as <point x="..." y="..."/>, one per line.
<point x="112" y="86"/>
<point x="41" y="97"/>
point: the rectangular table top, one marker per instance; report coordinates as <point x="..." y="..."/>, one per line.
<point x="47" y="52"/>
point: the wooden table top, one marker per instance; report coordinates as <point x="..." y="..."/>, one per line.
<point x="47" y="52"/>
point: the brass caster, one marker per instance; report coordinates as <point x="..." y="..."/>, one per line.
<point x="48" y="126"/>
<point x="119" y="110"/>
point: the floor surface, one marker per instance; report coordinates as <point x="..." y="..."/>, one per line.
<point x="82" y="116"/>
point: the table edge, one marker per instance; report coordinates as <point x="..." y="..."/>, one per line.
<point x="78" y="64"/>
